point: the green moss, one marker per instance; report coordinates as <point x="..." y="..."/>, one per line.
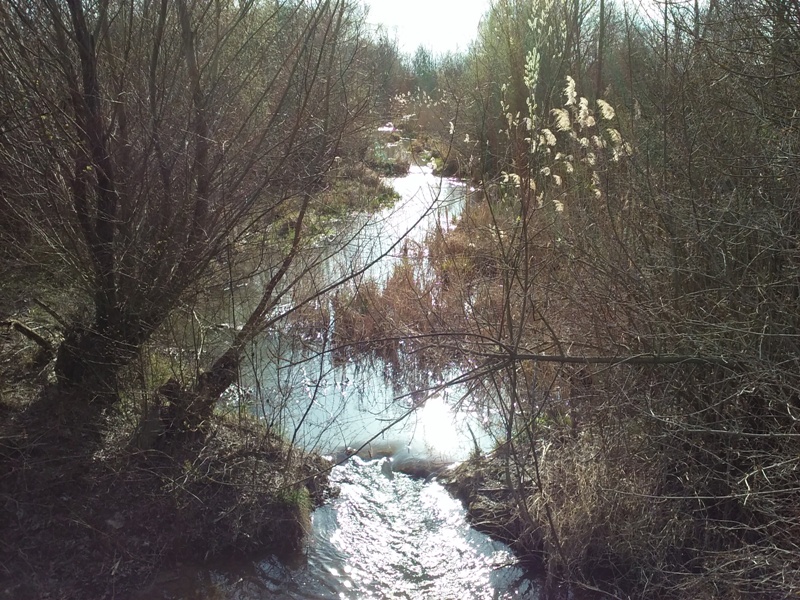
<point x="296" y="499"/>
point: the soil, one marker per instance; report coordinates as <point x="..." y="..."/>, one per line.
<point x="82" y="519"/>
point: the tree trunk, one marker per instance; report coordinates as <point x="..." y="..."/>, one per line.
<point x="87" y="365"/>
<point x="211" y="384"/>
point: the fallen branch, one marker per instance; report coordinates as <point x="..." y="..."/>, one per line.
<point x="58" y="318"/>
<point x="29" y="333"/>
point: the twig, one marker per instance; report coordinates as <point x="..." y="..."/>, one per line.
<point x="56" y="317"/>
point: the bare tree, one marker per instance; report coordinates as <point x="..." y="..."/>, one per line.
<point x="142" y="137"/>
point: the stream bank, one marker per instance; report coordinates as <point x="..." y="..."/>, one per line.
<point x="100" y="525"/>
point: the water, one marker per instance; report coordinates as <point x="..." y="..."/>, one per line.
<point x="325" y="406"/>
<point x="325" y="403"/>
<point x="386" y="535"/>
<point x="404" y="538"/>
<point x="426" y="203"/>
<point x="383" y="538"/>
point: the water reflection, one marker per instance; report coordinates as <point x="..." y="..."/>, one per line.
<point x="326" y="405"/>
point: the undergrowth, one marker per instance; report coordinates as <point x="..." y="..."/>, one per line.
<point x="83" y="520"/>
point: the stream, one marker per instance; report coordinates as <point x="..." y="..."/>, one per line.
<point x="386" y="534"/>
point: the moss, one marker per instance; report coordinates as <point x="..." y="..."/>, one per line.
<point x="294" y="505"/>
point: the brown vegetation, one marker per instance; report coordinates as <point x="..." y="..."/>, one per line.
<point x="625" y="300"/>
<point x="627" y="295"/>
<point x="152" y="156"/>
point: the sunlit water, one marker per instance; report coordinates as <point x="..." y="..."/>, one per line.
<point x="382" y="538"/>
<point x="385" y="535"/>
<point x="326" y="406"/>
<point x="403" y="538"/>
<point x="426" y="202"/>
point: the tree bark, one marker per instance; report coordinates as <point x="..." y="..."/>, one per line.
<point x="88" y="362"/>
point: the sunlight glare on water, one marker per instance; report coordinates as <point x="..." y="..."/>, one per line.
<point x="382" y="538"/>
<point x="386" y="536"/>
<point x="403" y="538"/>
<point x="439" y="428"/>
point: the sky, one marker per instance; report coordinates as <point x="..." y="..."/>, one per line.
<point x="439" y="25"/>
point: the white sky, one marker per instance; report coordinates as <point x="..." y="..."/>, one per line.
<point x="439" y="25"/>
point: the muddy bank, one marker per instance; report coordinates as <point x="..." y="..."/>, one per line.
<point x="491" y="503"/>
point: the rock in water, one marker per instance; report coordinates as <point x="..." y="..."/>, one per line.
<point x="386" y="467"/>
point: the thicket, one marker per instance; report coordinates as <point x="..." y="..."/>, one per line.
<point x="625" y="298"/>
<point x="151" y="151"/>
<point x="627" y="294"/>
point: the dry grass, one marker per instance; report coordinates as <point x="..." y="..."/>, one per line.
<point x="663" y="481"/>
<point x="640" y="498"/>
<point x="386" y="320"/>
